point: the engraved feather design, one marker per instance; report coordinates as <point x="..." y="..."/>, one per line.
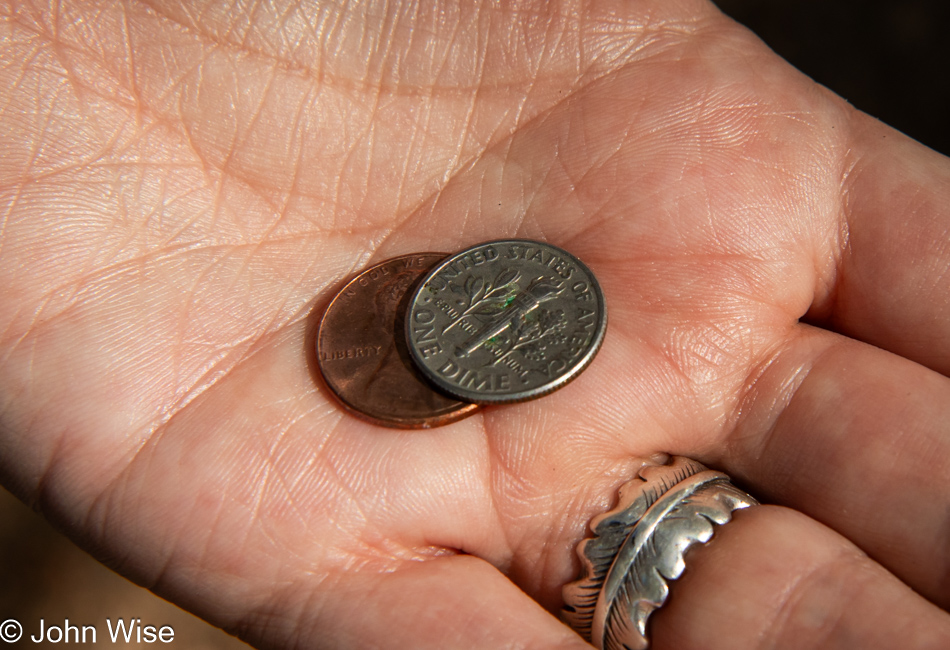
<point x="640" y="544"/>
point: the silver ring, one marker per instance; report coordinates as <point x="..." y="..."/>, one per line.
<point x="639" y="545"/>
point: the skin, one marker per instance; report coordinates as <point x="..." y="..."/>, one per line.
<point x="184" y="185"/>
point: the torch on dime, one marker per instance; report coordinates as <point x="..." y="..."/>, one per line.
<point x="362" y="353"/>
<point x="506" y="321"/>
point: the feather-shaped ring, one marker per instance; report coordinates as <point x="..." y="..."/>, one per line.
<point x="639" y="545"/>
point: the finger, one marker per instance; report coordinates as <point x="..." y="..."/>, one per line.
<point x="451" y="602"/>
<point x="773" y="578"/>
<point x="859" y="439"/>
<point x="893" y="272"/>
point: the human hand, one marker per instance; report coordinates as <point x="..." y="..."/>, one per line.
<point x="182" y="185"/>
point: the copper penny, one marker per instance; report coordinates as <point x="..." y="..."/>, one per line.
<point x="362" y="351"/>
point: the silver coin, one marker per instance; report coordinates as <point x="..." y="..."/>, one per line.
<point x="506" y="321"/>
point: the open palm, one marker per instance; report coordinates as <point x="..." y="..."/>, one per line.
<point x="183" y="186"/>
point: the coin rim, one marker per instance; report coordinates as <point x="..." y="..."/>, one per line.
<point x="524" y="395"/>
<point x="466" y="409"/>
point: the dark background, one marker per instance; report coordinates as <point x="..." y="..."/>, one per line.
<point x="889" y="59"/>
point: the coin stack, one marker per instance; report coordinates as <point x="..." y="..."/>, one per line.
<point x="426" y="339"/>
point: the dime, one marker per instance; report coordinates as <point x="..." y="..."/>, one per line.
<point x="362" y="354"/>
<point x="506" y="321"/>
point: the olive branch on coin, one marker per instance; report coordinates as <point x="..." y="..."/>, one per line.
<point x="481" y="298"/>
